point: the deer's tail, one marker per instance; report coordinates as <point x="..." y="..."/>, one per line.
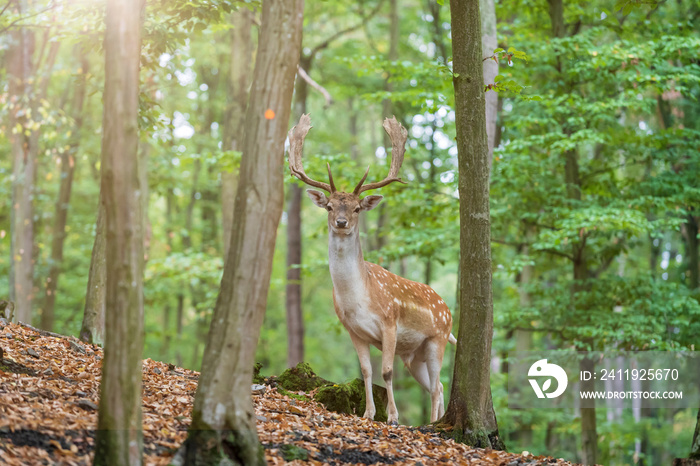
<point x="452" y="339"/>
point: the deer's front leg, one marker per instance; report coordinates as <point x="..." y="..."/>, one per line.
<point x="388" y="351"/>
<point x="362" y="349"/>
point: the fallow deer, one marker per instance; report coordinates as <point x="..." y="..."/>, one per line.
<point x="375" y="306"/>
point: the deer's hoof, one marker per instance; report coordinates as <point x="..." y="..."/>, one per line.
<point x="368" y="415"/>
<point x="393" y="423"/>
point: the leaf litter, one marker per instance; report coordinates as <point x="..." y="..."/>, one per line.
<point x="49" y="395"/>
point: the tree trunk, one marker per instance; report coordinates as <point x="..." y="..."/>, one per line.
<point x="470" y="411"/>
<point x="119" y="439"/>
<point x="68" y="161"/>
<point x="233" y="133"/>
<point x="489" y="42"/>
<point x="589" y="434"/>
<point x="690" y="238"/>
<point x="92" y="329"/>
<point x="523" y="338"/>
<point x="295" y="316"/>
<point x="223" y="421"/>
<point x="392" y="56"/>
<point x="19" y="72"/>
<point x="695" y="448"/>
<point x="179" y="325"/>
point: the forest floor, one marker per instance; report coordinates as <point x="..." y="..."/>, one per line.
<point x="49" y="391"/>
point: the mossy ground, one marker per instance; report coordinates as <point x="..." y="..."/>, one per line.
<point x="346" y="398"/>
<point x="301" y="379"/>
<point x="349" y="398"/>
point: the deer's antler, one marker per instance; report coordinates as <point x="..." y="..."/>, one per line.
<point x="398" y="135"/>
<point x="296" y="143"/>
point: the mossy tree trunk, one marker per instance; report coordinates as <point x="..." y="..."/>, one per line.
<point x="470" y="411"/>
<point x="695" y="447"/>
<point x="223" y="421"/>
<point x="119" y="439"/>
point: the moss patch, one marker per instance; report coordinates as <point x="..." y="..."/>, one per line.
<point x="292" y="395"/>
<point x="293" y="452"/>
<point x="257" y="378"/>
<point x="301" y="378"/>
<point x="349" y="398"/>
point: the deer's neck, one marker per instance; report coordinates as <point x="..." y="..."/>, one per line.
<point x="346" y="263"/>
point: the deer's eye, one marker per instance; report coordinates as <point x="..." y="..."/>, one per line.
<point x="329" y="208"/>
<point x="357" y="209"/>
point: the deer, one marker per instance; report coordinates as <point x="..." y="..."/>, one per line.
<point x="396" y="315"/>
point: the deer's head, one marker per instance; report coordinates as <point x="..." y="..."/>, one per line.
<point x="344" y="208"/>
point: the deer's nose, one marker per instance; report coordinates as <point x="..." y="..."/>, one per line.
<point x="341" y="222"/>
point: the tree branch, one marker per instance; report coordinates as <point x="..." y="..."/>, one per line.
<point x="508" y="243"/>
<point x="6" y="7"/>
<point x="305" y="76"/>
<point x="557" y="253"/>
<point x="347" y="30"/>
<point x="13" y="23"/>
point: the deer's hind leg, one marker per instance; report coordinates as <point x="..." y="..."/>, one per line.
<point x="434" y="352"/>
<point x="419" y="370"/>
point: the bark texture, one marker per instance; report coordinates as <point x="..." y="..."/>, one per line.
<point x="119" y="439"/>
<point x="237" y="91"/>
<point x="470" y="411"/>
<point x="223" y="422"/>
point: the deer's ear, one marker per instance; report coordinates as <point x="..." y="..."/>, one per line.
<point x="318" y="198"/>
<point x="370" y="202"/>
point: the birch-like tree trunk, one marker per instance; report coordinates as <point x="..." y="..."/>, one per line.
<point x="223" y="427"/>
<point x="470" y="411"/>
<point x="19" y="72"/>
<point x="119" y="439"/>
<point x="489" y="42"/>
